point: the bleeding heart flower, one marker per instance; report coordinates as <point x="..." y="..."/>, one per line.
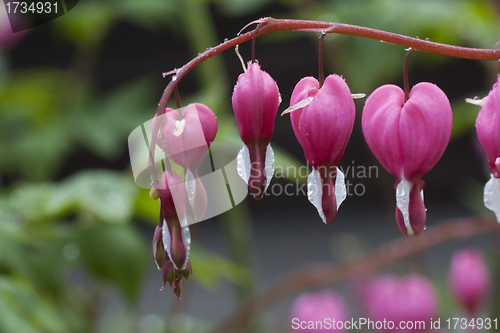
<point x="469" y="279"/>
<point x="322" y="120"/>
<point x="189" y="137"/>
<point x="185" y="136"/>
<point x="255" y="103"/>
<point x="310" y="308"/>
<point x="412" y="298"/>
<point x="488" y="133"/>
<point x="408" y="138"/>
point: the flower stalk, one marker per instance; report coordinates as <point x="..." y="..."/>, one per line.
<point x="275" y="25"/>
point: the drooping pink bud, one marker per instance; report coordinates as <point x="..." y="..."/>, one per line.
<point x="408" y="138"/>
<point x="322" y="120"/>
<point x="469" y="279"/>
<point x="255" y="103"/>
<point x="409" y="299"/>
<point x="319" y="312"/>
<point x="172" y="239"/>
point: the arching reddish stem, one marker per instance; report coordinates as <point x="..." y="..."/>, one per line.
<point x="275" y="25"/>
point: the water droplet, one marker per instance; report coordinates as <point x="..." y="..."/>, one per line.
<point x="427" y="39"/>
<point x="174" y="77"/>
<point x="425" y="227"/>
<point x="476" y="98"/>
<point x="225" y="40"/>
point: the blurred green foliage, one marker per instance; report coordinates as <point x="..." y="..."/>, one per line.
<point x="87" y="222"/>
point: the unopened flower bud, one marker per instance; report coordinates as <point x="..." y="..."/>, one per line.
<point x="255" y="103"/>
<point x="311" y="308"/>
<point x="412" y="298"/>
<point x="469" y="279"/>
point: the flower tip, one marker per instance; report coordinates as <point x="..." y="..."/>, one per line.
<point x="258" y="196"/>
<point x="177" y="289"/>
<point x="475" y="101"/>
<point x="358" y="96"/>
<point x="329" y="206"/>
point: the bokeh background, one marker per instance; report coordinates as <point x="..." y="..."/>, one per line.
<point x="75" y="231"/>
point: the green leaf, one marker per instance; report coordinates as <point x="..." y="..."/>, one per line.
<point x="39" y="153"/>
<point x="28" y="95"/>
<point x="104" y="126"/>
<point x="13" y="257"/>
<point x="26" y="308"/>
<point x="31" y="131"/>
<point x="116" y="254"/>
<point x="105" y="194"/>
<point x="12" y="322"/>
<point x="31" y="199"/>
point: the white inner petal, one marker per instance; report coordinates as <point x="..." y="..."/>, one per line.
<point x="186" y="239"/>
<point x="190" y="184"/>
<point x="269" y="166"/>
<point x="243" y="163"/>
<point x="179" y="126"/>
<point x="403" y="202"/>
<point x="340" y="189"/>
<point x="492" y="196"/>
<point x="167" y="240"/>
<point x="314" y="192"/>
